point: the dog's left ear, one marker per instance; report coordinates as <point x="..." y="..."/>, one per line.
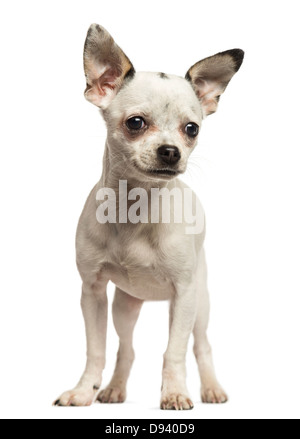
<point x="105" y="66"/>
<point x="211" y="76"/>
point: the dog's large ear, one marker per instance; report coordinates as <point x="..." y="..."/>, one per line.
<point x="211" y="76"/>
<point x="105" y="67"/>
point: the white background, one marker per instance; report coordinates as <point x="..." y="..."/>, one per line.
<point x="245" y="170"/>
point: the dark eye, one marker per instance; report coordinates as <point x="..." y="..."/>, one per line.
<point x="135" y="123"/>
<point x="192" y="129"/>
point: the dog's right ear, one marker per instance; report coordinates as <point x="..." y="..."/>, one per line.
<point x="105" y="65"/>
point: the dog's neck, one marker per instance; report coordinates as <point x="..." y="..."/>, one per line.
<point x="117" y="176"/>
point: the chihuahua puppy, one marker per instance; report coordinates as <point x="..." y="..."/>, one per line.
<point x="153" y="121"/>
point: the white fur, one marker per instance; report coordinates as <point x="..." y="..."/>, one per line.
<point x="144" y="261"/>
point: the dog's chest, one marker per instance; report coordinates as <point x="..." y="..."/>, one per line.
<point x="138" y="268"/>
<point x="136" y="254"/>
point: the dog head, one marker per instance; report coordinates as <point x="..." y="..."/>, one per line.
<point x="153" y="119"/>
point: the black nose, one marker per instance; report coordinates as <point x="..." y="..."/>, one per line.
<point x="169" y="154"/>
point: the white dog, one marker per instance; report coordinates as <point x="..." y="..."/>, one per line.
<point x="153" y="121"/>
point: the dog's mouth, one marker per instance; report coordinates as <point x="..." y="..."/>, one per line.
<point x="164" y="173"/>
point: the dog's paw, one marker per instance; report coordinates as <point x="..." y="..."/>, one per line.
<point x="176" y="402"/>
<point x="76" y="398"/>
<point x="112" y="395"/>
<point x="214" y="395"/>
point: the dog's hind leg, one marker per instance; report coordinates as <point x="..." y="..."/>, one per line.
<point x="211" y="391"/>
<point x="126" y="310"/>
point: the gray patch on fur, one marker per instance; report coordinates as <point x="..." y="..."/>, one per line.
<point x="163" y="76"/>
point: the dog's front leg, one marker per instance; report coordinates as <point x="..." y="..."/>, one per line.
<point x="94" y="308"/>
<point x="182" y="320"/>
